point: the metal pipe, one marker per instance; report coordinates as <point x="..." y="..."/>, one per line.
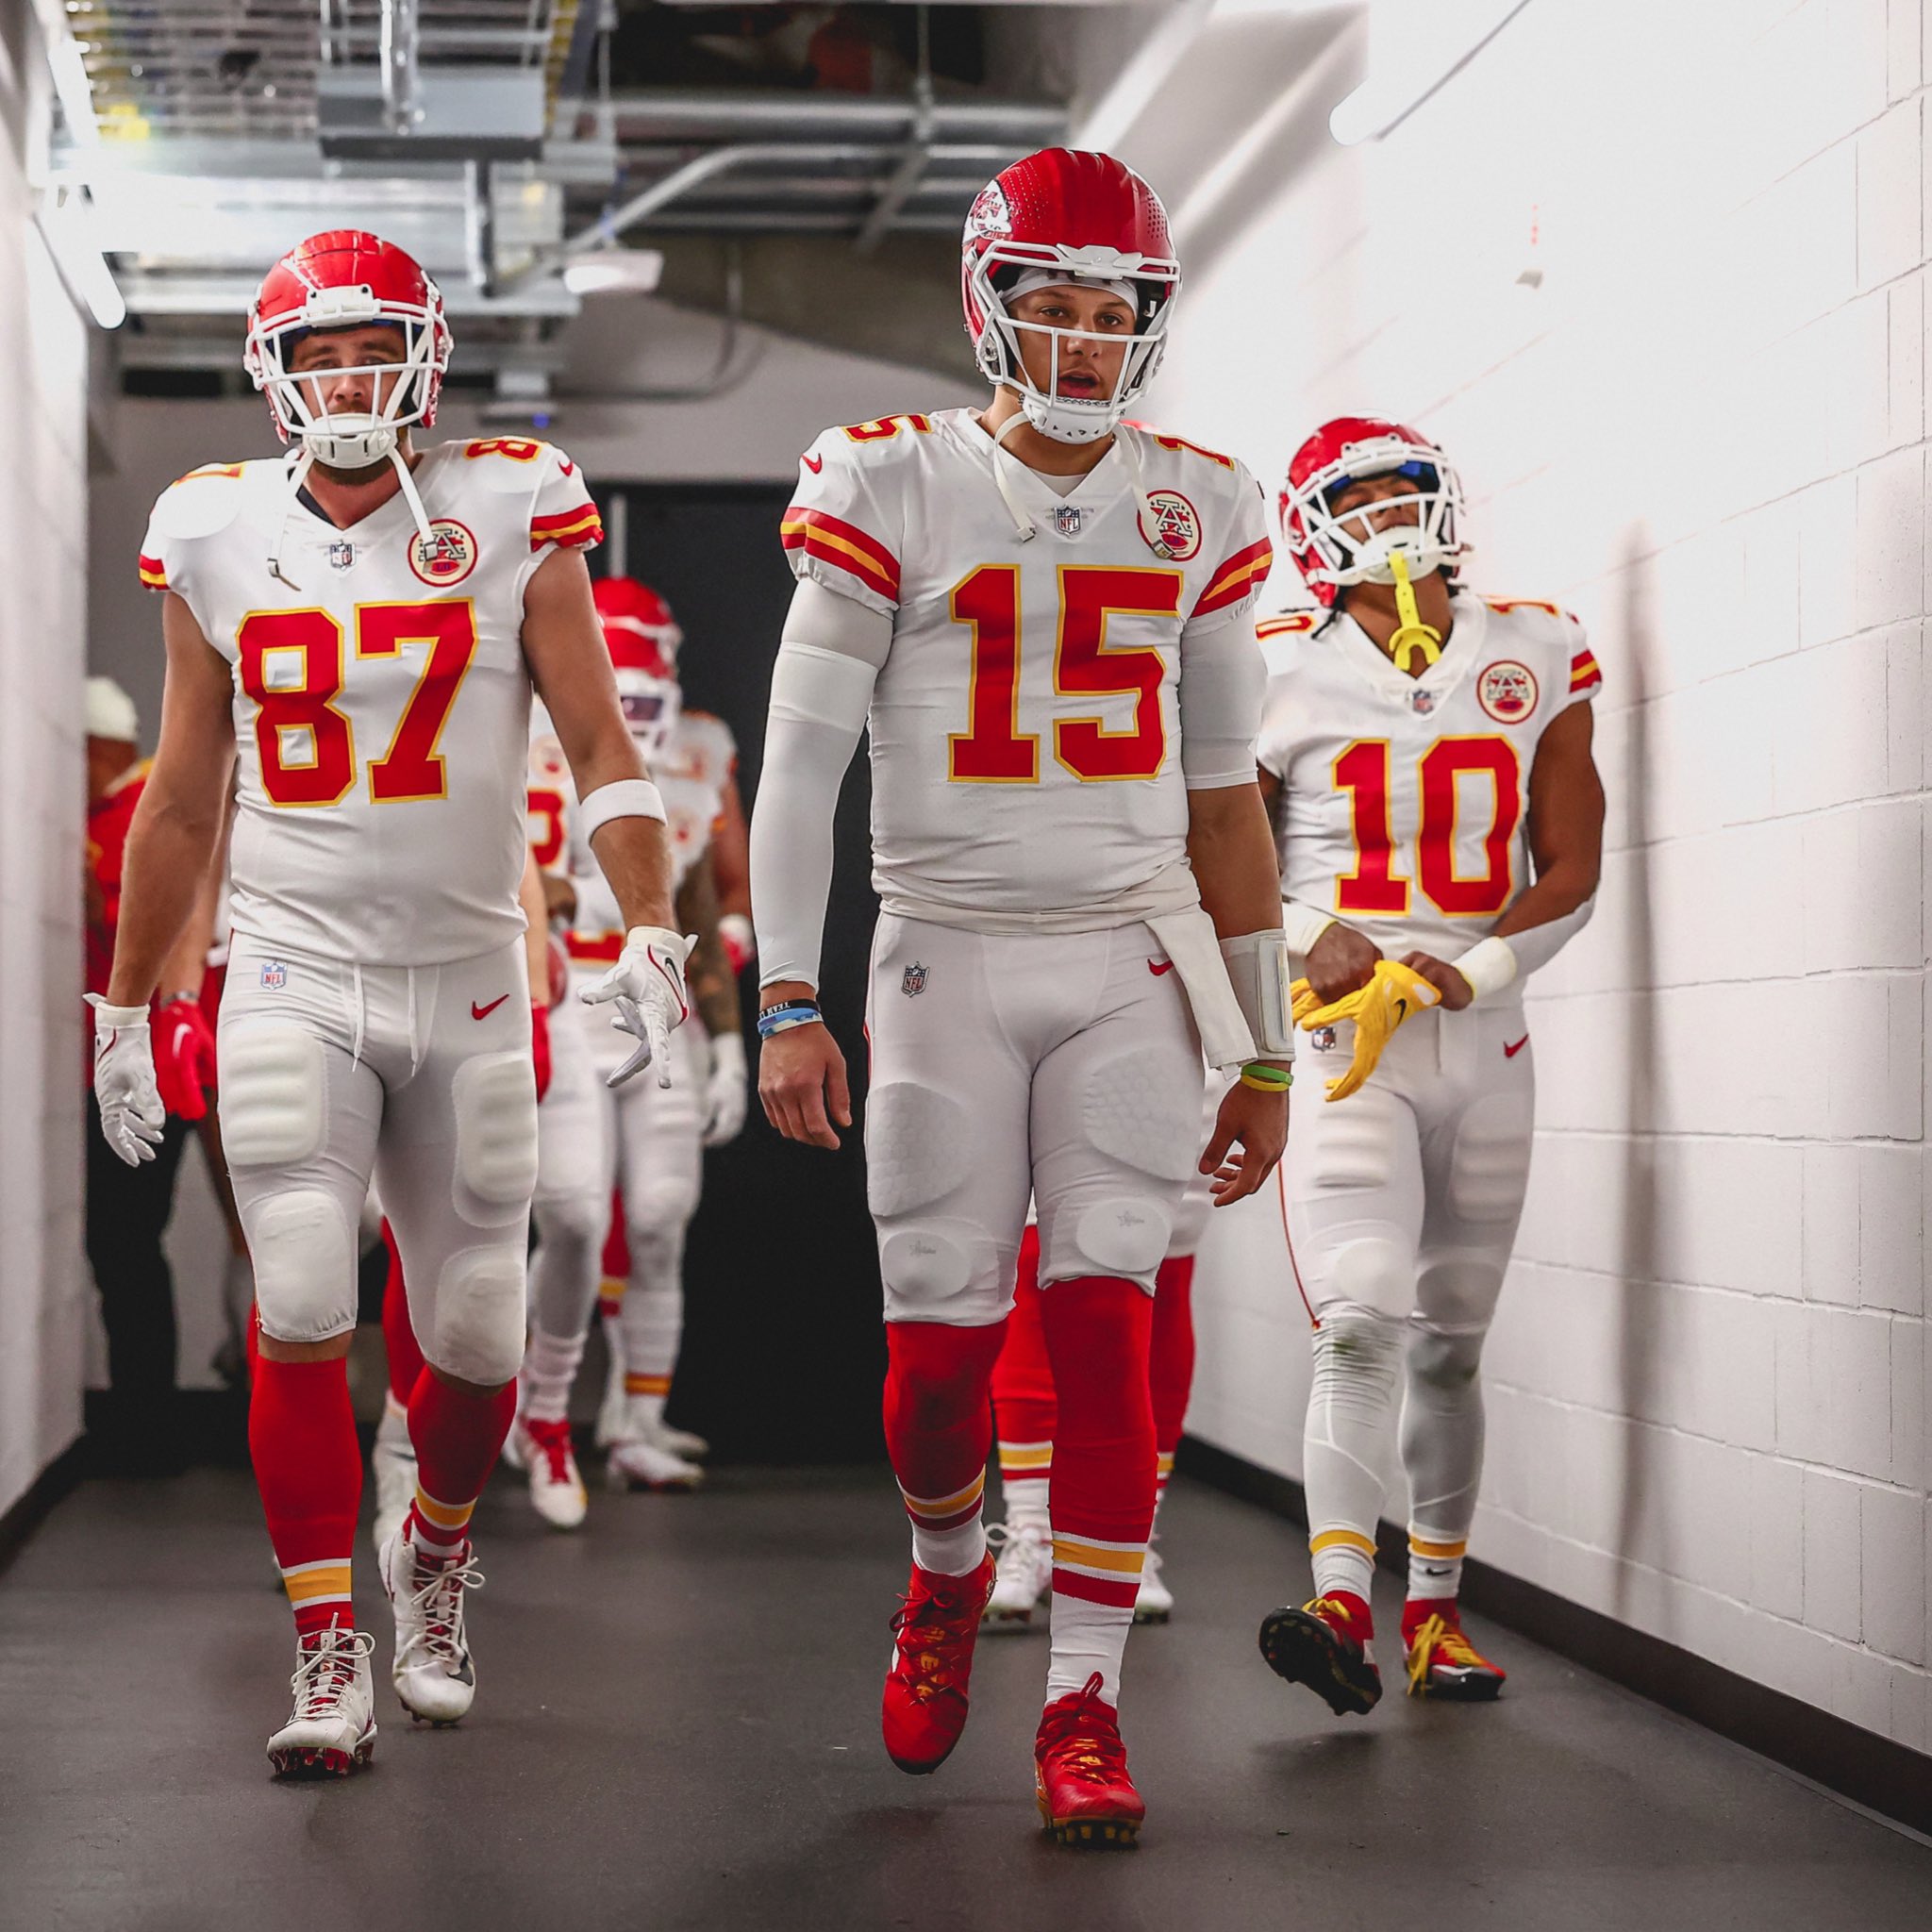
<point x="402" y="107"/>
<point x="746" y="114"/>
<point x="912" y="165"/>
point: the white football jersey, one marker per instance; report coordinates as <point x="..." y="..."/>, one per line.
<point x="691" y="774"/>
<point x="1025" y="729"/>
<point x="381" y="698"/>
<point x="1405" y="801"/>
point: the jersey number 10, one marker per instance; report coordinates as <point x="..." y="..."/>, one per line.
<point x="1374" y="886"/>
<point x="992" y="750"/>
<point x="308" y="747"/>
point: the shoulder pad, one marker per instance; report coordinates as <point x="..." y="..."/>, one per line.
<point x="1532" y="608"/>
<point x="1290" y="623"/>
<point x="203" y="502"/>
<point x="879" y="441"/>
<point x="1162" y="441"/>
<point x="512" y="464"/>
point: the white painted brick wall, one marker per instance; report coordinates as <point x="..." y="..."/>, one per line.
<point x="1707" y="433"/>
<point x="43" y="797"/>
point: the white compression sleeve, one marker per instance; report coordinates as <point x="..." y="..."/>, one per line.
<point x="1223" y="678"/>
<point x="828" y="661"/>
<point x="1492" y="965"/>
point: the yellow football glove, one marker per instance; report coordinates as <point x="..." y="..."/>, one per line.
<point x="1304" y="1000"/>
<point x="1393" y="995"/>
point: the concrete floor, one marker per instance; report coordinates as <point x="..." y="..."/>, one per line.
<point x="676" y="1727"/>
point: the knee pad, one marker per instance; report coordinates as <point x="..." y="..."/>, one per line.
<point x="496" y="1096"/>
<point x="274" y="1104"/>
<point x="1375" y="1275"/>
<point x="479" y="1316"/>
<point x="1447" y="1364"/>
<point x="1126" y="1236"/>
<point x="928" y="1266"/>
<point x="305" y="1266"/>
<point x="661" y="1211"/>
<point x="1131" y="1114"/>
<point x="1456" y="1291"/>
<point x="575" y="1218"/>
<point x="1488" y="1166"/>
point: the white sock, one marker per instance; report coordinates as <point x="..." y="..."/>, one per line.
<point x="392" y="1431"/>
<point x="1087" y="1636"/>
<point x="1435" y="1565"/>
<point x="950" y="1552"/>
<point x="550" y="1366"/>
<point x="1026" y="1506"/>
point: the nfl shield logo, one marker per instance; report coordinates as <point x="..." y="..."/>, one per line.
<point x="275" y="975"/>
<point x="915" y="982"/>
<point x="1066" y="518"/>
<point x="1321" y="1038"/>
<point x="342" y="555"/>
<point x="1421" y="702"/>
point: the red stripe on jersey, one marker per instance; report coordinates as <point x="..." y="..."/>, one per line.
<point x="1584" y="672"/>
<point x="1290" y="623"/>
<point x="153" y="574"/>
<point x="570" y="529"/>
<point x="1236" y="577"/>
<point x="604" y="951"/>
<point x="832" y="540"/>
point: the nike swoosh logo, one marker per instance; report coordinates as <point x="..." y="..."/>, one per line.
<point x="566" y="467"/>
<point x="1401" y="1011"/>
<point x="478" y="1013"/>
<point x="1509" y="1052"/>
<point x="1158" y="966"/>
<point x="814" y="463"/>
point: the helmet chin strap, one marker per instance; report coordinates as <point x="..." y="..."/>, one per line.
<point x="1412" y="634"/>
<point x="299" y="476"/>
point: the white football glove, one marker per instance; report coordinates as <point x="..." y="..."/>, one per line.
<point x="647" y="983"/>
<point x="130" y="1102"/>
<point x="726" y="1092"/>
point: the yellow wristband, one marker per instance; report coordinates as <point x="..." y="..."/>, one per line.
<point x="1279" y="1084"/>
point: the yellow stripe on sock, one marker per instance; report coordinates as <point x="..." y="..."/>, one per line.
<point x="1441" y="1553"/>
<point x="1332" y="1538"/>
<point x="1025" y="1456"/>
<point x="647" y="1385"/>
<point x="444" y="1515"/>
<point x="611" y="1290"/>
<point x="1163" y="1465"/>
<point x="316" y="1583"/>
<point x="946" y="1506"/>
<point x="1076" y="1553"/>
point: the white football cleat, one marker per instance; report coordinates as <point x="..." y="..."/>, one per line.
<point x="677" y="1442"/>
<point x="331" y="1732"/>
<point x="613" y="1412"/>
<point x="1155" y="1604"/>
<point x="639" y="1465"/>
<point x="1025" y="1574"/>
<point x="557" y="1489"/>
<point x="394" y="1461"/>
<point x="433" y="1672"/>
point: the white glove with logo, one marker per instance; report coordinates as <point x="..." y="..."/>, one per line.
<point x="647" y="983"/>
<point x="130" y="1102"/>
<point x="725" y="1094"/>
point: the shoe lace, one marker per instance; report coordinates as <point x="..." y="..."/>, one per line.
<point x="1333" y="1611"/>
<point x="1438" y="1636"/>
<point x="1015" y="1548"/>
<point x="326" y="1670"/>
<point x="552" y="1441"/>
<point x="437" y="1599"/>
<point x="1081" y="1738"/>
<point x="931" y="1627"/>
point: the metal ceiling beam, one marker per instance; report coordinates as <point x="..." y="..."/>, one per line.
<point x="747" y="114"/>
<point x="203" y="296"/>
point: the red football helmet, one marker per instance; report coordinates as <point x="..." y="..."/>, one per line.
<point x="1332" y="550"/>
<point x="347" y="279"/>
<point x="643" y="639"/>
<point x="1063" y="216"/>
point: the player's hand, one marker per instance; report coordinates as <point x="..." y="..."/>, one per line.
<point x="1250" y="1131"/>
<point x="1341" y="962"/>
<point x="647" y="985"/>
<point x="132" y="1111"/>
<point x="725" y="1099"/>
<point x="1395" y="994"/>
<point x="802" y="1085"/>
<point x="184" y="1055"/>
<point x="1456" y="990"/>
<point x="540" y="1046"/>
<point x="559" y="898"/>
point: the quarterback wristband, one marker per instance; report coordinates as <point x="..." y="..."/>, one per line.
<point x="1257" y="966"/>
<point x="793" y="1013"/>
<point x="1302" y="926"/>
<point x="1490" y="965"/>
<point x="623" y="798"/>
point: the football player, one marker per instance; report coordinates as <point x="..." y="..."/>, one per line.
<point x="1427" y="758"/>
<point x="589" y="1136"/>
<point x="363" y="620"/>
<point x="1039" y="613"/>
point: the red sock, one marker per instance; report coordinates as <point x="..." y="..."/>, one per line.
<point x="1170" y="1360"/>
<point x="309" y="1467"/>
<point x="1022" y="1397"/>
<point x="1097" y="1335"/>
<point x="617" y="1242"/>
<point x="456" y="1436"/>
<point x="398" y="1333"/>
<point x="939" y="1425"/>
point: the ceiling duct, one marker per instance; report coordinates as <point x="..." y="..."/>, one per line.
<point x="458" y="114"/>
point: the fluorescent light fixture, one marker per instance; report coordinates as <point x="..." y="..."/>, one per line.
<point x="70" y="75"/>
<point x="1415" y="47"/>
<point x="614" y="271"/>
<point x="82" y="266"/>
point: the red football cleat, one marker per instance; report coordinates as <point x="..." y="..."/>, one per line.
<point x="1324" y="1644"/>
<point x="1080" y="1773"/>
<point x="1442" y="1662"/>
<point x="925" y="1708"/>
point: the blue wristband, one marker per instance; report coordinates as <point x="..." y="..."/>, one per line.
<point x="793" y="1013"/>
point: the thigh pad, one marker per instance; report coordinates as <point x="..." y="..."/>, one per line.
<point x="275" y="1094"/>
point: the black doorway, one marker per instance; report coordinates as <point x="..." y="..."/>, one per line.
<point x="783" y="1351"/>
